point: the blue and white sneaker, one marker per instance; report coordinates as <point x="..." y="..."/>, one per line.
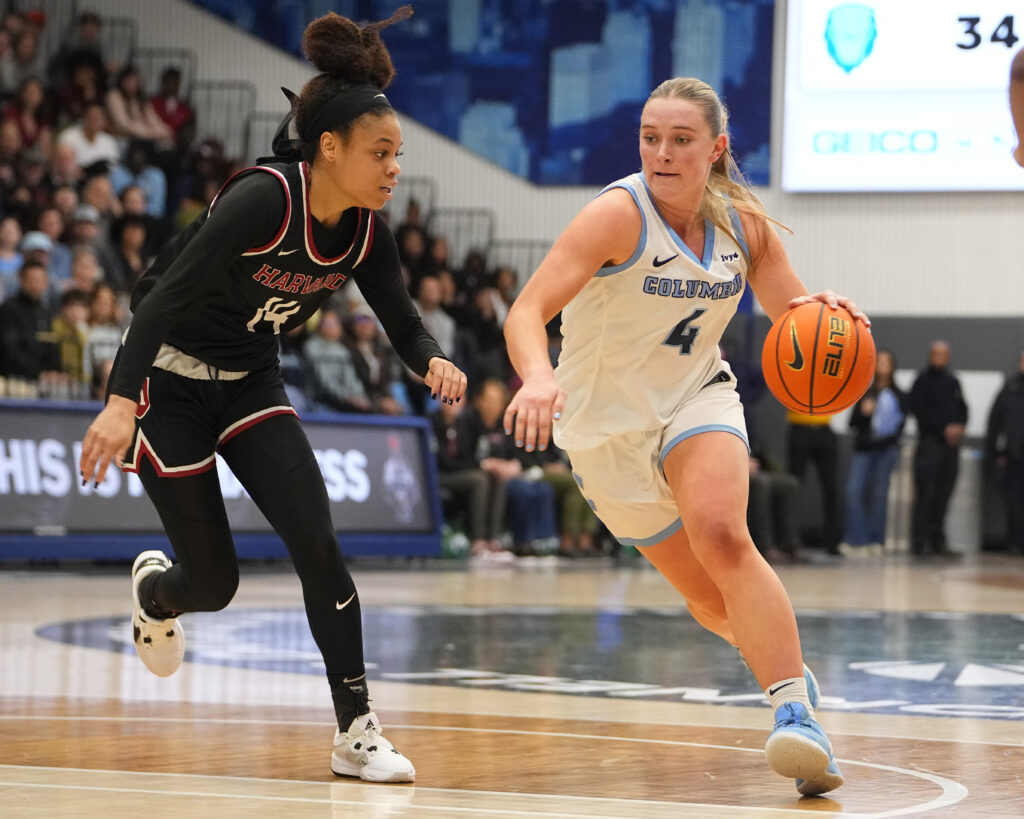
<point x="813" y="695"/>
<point x="798" y="748"/>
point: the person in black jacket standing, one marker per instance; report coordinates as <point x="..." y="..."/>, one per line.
<point x="937" y="401"/>
<point x="198" y="372"/>
<point x="1005" y="445"/>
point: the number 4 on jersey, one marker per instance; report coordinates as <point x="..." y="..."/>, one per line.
<point x="683" y="335"/>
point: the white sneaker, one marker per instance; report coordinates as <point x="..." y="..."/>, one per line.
<point x="160" y="643"/>
<point x="364" y="752"/>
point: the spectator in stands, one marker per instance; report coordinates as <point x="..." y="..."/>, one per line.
<point x="877" y="421"/>
<point x="173" y="109"/>
<point x="376" y="365"/>
<point x="138" y="171"/>
<point x="937" y="401"/>
<point x="133" y="201"/>
<point x="577" y="522"/>
<point x="10" y="256"/>
<point x="104" y="330"/>
<point x="128" y="260"/>
<point x="89" y="140"/>
<point x="65" y="199"/>
<point x="438" y="323"/>
<point x="413" y="253"/>
<point x="332" y="380"/>
<point x="437" y="255"/>
<point x="10" y="151"/>
<point x="37" y="247"/>
<point x="773" y="510"/>
<point x="28" y="111"/>
<point x="70" y="328"/>
<point x="1005" y="445"/>
<point x="83" y="47"/>
<point x="487" y="354"/>
<point x="51" y="222"/>
<point x="506" y="285"/>
<point x="810" y="440"/>
<point x="29" y="60"/>
<point x="83" y="88"/>
<point x="32" y="189"/>
<point x="85" y="230"/>
<point x="97" y="191"/>
<point x="472" y="276"/>
<point x="86" y="273"/>
<point x="27" y="351"/>
<point x="411" y="221"/>
<point x="531" y="501"/>
<point x="132" y="115"/>
<point x="8" y="83"/>
<point x="65" y="172"/>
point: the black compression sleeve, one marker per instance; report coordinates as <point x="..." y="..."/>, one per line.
<point x="379" y="278"/>
<point x="247" y="214"/>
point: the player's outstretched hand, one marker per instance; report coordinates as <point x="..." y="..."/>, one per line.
<point x="832" y="300"/>
<point x="107" y="438"/>
<point x="538" y="401"/>
<point x="445" y="380"/>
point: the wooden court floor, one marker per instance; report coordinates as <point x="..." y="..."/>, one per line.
<point x="539" y="690"/>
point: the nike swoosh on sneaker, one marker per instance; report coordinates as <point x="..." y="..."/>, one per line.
<point x="773" y="691"/>
<point x="287" y="252"/>
<point x="340" y="606"/>
<point x="659" y="262"/>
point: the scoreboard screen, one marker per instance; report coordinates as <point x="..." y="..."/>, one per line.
<point x="900" y="95"/>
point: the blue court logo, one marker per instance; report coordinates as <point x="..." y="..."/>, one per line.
<point x="850" y="34"/>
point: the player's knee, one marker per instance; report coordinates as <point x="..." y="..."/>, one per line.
<point x="723" y="546"/>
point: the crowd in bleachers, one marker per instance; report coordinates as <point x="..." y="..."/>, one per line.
<point x="97" y="172"/>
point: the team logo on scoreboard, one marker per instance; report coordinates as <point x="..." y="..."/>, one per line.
<point x="850" y="34"/>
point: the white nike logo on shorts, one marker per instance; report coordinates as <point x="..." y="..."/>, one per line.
<point x="340" y="606"/>
<point x="287" y="252"/>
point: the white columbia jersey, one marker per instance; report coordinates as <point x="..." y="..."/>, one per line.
<point x="641" y="337"/>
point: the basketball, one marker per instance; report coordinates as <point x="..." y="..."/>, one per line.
<point x="818" y="360"/>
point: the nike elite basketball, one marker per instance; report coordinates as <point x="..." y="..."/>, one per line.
<point x="818" y="360"/>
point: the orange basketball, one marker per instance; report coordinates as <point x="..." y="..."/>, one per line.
<point x="818" y="360"/>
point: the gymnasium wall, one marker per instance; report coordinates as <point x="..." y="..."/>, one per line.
<point x="937" y="254"/>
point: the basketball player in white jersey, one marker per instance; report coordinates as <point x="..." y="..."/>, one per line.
<point x="649" y="274"/>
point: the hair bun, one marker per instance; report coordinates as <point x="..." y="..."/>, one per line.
<point x="335" y="45"/>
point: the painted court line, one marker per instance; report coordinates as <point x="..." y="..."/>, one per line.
<point x="952" y="791"/>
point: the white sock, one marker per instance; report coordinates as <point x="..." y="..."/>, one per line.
<point x="793" y="689"/>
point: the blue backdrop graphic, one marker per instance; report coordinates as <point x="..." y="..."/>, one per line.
<point x="552" y="89"/>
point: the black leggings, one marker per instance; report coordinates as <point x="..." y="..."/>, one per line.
<point x="275" y="463"/>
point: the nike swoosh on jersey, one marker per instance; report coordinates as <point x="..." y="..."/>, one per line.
<point x="659" y="262"/>
<point x="287" y="252"/>
<point x="773" y="691"/>
<point x="340" y="606"/>
<point x="798" y="356"/>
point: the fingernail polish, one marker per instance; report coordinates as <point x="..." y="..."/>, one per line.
<point x="558" y="415"/>
<point x="543" y="448"/>
<point x="519" y="443"/>
<point x="529" y="447"/>
<point x="508" y="432"/>
<point x="457" y="400"/>
<point x="433" y="395"/>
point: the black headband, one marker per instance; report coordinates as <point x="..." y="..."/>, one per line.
<point x="346" y="106"/>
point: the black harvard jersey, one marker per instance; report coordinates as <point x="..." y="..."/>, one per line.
<point x="256" y="264"/>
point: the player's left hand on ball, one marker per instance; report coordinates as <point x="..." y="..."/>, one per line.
<point x="445" y="380"/>
<point x="832" y="300"/>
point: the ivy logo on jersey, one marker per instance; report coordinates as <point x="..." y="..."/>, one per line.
<point x="850" y="33"/>
<point x="797" y="363"/>
<point x="276" y="311"/>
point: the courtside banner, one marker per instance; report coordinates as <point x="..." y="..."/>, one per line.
<point x="379" y="473"/>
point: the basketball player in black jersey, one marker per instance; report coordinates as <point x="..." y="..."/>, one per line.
<point x="198" y="372"/>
